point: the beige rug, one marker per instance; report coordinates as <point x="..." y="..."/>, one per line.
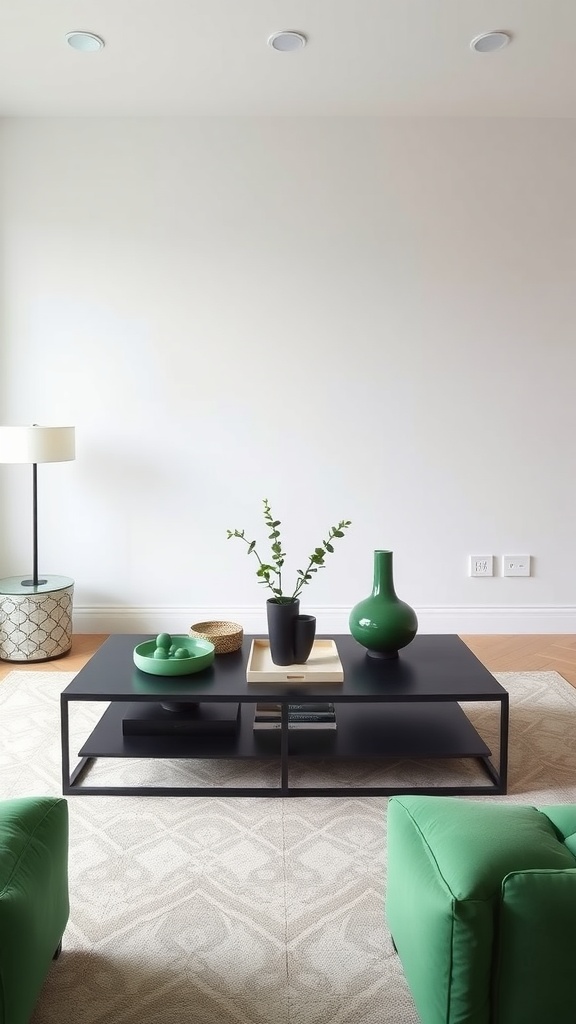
<point x="243" y="911"/>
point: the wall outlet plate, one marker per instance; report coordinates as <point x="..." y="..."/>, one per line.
<point x="481" y="565"/>
<point x="516" y="565"/>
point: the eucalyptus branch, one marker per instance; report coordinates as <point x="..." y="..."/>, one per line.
<point x="316" y="559"/>
<point x="271" y="574"/>
<point x="264" y="571"/>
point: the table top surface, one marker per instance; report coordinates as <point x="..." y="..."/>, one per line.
<point x="433" y="667"/>
<point x="15" y="584"/>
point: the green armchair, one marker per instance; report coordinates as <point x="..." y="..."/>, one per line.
<point x="33" y="898"/>
<point x="481" y="906"/>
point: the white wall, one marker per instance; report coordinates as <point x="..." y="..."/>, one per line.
<point x="360" y="318"/>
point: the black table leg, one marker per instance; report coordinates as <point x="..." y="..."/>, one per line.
<point x="284" y="748"/>
<point x="68" y="780"/>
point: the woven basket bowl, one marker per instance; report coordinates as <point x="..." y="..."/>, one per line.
<point x="226" y="636"/>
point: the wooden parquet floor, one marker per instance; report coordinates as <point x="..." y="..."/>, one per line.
<point x="84" y="645"/>
<point x="513" y="653"/>
<point x="542" y="652"/>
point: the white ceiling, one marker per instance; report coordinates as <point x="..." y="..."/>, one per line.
<point x="364" y="57"/>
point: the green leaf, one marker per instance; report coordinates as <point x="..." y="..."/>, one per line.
<point x="268" y="574"/>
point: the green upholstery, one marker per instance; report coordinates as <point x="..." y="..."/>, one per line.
<point x="481" y="904"/>
<point x="33" y="898"/>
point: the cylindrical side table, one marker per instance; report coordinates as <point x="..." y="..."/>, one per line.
<point x="35" y="622"/>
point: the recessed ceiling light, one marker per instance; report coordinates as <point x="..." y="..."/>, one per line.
<point x="286" y="41"/>
<point x="87" y="42"/>
<point x="489" y="42"/>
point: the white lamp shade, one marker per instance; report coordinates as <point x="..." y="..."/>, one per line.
<point x="37" y="444"/>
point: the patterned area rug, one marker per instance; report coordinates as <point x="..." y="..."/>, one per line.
<point x="243" y="910"/>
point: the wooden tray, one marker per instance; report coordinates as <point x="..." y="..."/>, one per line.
<point x="323" y="665"/>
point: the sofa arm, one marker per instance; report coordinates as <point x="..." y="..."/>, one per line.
<point x="536" y="942"/>
<point x="33" y="898"/>
<point x="447" y="859"/>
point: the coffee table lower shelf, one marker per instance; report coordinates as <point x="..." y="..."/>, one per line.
<point x="380" y="731"/>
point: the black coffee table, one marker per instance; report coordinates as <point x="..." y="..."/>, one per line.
<point x="408" y="708"/>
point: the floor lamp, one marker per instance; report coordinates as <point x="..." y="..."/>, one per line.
<point x="36" y="630"/>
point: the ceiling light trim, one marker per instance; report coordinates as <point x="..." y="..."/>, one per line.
<point x="84" y="42"/>
<point x="287" y="41"/>
<point x="490" y="42"/>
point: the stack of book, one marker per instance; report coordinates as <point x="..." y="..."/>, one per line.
<point x="300" y="716"/>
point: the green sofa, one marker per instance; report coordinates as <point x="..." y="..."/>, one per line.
<point x="33" y="898"/>
<point x="481" y="906"/>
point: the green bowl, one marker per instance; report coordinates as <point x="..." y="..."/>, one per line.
<point x="200" y="655"/>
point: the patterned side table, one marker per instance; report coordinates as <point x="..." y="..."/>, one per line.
<point x="35" y="622"/>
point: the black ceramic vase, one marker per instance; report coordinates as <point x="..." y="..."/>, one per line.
<point x="291" y="635"/>
<point x="382" y="622"/>
<point x="304" y="634"/>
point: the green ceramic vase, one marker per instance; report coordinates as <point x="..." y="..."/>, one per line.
<point x="382" y="622"/>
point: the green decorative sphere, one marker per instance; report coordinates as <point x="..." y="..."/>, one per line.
<point x="198" y="655"/>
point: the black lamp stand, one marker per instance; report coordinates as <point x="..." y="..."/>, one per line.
<point x="34" y="582"/>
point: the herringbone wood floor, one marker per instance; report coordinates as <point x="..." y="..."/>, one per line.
<point x="553" y="651"/>
<point x="538" y="653"/>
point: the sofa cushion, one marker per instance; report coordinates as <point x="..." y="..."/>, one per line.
<point x="563" y="818"/>
<point x="534" y="975"/>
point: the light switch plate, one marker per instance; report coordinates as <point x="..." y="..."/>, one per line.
<point x="516" y="565"/>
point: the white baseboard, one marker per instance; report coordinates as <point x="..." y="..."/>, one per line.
<point x="446" y="619"/>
